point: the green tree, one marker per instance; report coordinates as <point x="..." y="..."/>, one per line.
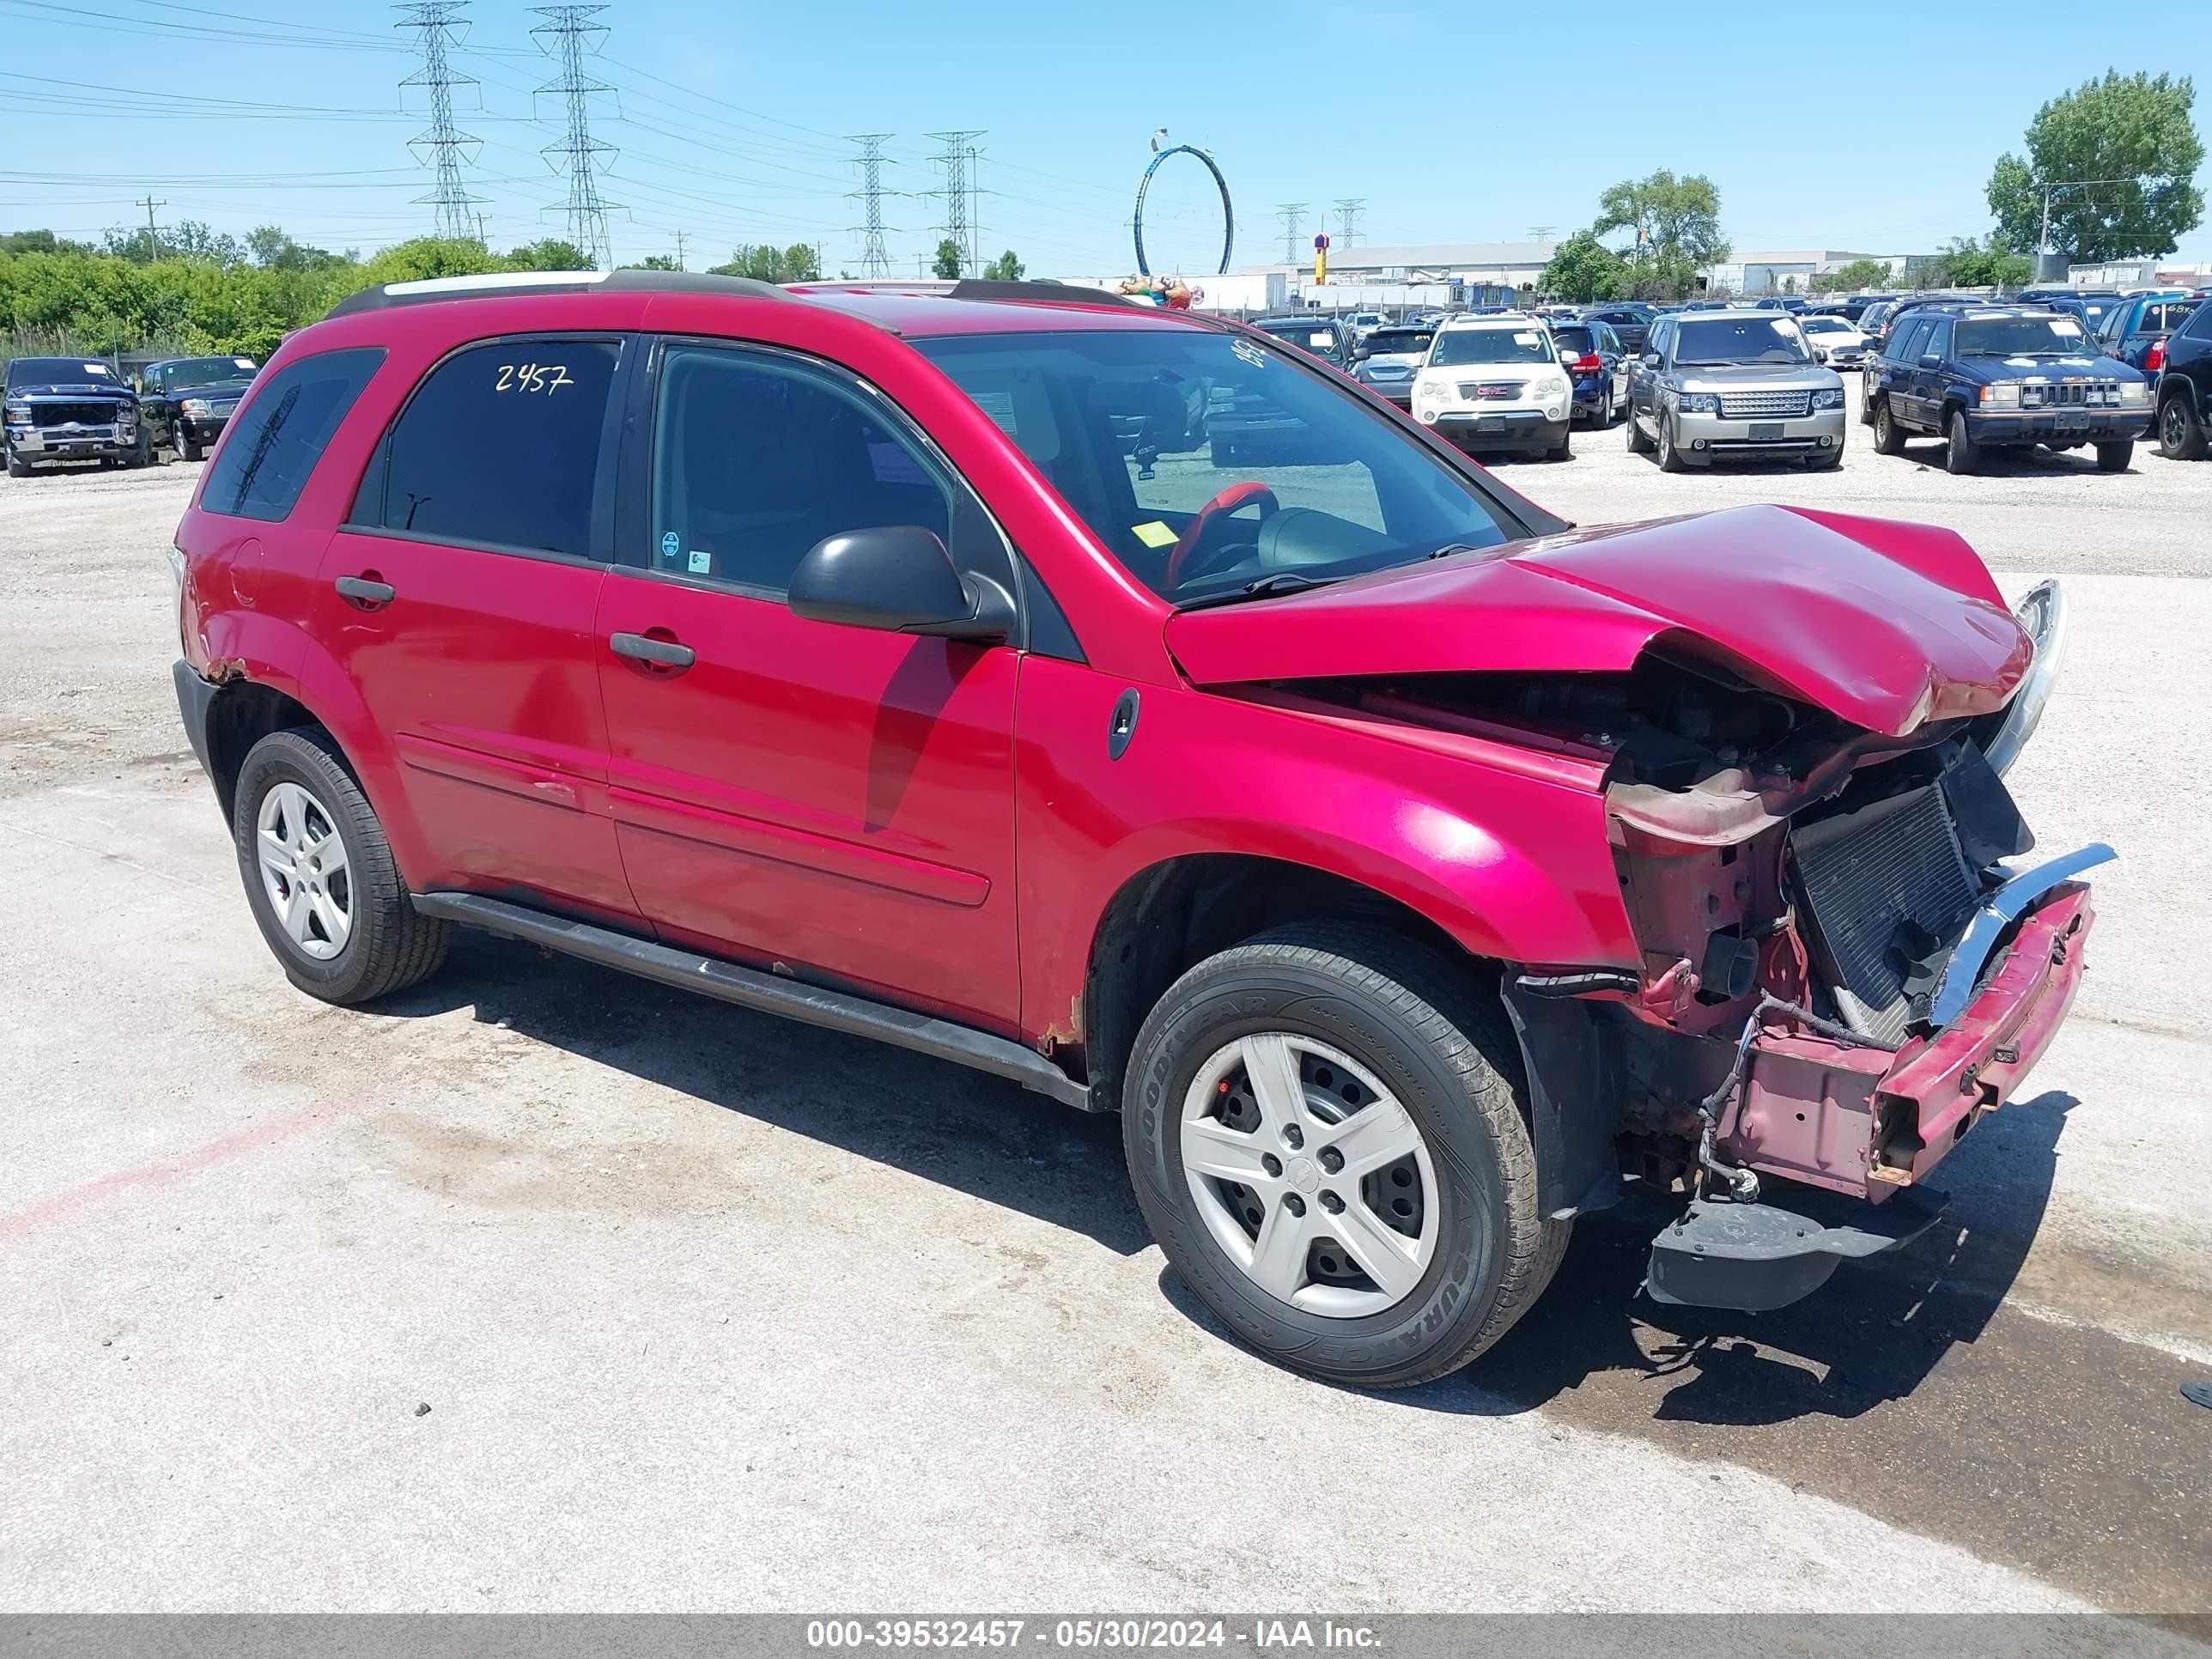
<point x="767" y="263"/>
<point x="947" y="263"/>
<point x="655" y="262"/>
<point x="1965" y="262"/>
<point x="2133" y="128"/>
<point x="549" y="254"/>
<point x="1859" y="274"/>
<point x="273" y="249"/>
<point x="1677" y="226"/>
<point x="1584" y="270"/>
<point x="1006" y="268"/>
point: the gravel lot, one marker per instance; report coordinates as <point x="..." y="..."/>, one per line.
<point x="712" y="1311"/>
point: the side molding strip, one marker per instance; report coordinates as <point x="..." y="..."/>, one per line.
<point x="748" y="987"/>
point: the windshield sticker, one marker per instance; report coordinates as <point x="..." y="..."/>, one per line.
<point x="2065" y="327"/>
<point x="1320" y="340"/>
<point x="95" y="369"/>
<point x="671" y="545"/>
<point x="701" y="563"/>
<point x="1524" y="339"/>
<point x="1249" y="352"/>
<point x="1154" y="533"/>
<point x="243" y="362"/>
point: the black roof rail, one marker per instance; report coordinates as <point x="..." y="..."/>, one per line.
<point x="1038" y="287"/>
<point x="492" y="284"/>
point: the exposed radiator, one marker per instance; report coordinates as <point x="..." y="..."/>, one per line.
<point x="1886" y="887"/>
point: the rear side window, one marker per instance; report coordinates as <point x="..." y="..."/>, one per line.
<point x="499" y="448"/>
<point x="275" y="440"/>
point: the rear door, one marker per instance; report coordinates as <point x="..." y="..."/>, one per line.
<point x="837" y="798"/>
<point x="459" y="597"/>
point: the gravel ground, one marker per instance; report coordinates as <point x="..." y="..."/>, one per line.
<point x="712" y="1311"/>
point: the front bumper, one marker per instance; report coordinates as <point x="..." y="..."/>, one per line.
<point x="1399" y="392"/>
<point x="194" y="698"/>
<point x="1703" y="438"/>
<point x="200" y="428"/>
<point x="36" y="443"/>
<point x="2096" y="425"/>
<point x="1867" y="1122"/>
<point x="1507" y="429"/>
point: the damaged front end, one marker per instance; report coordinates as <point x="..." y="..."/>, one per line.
<point x="1844" y="964"/>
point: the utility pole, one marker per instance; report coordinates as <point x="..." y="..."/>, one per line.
<point x="1293" y="216"/>
<point x="957" y="159"/>
<point x="875" y="263"/>
<point x="1348" y="210"/>
<point x="679" y="250"/>
<point x="153" y="236"/>
<point x="441" y="144"/>
<point x="2049" y="191"/>
<point x="586" y="208"/>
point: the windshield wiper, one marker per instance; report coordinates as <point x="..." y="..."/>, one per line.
<point x="1283" y="581"/>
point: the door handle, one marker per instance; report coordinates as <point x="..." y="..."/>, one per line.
<point x="361" y="590"/>
<point x="661" y="653"/>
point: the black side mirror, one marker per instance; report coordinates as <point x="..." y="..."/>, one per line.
<point x="900" y="579"/>
<point x="1932" y="359"/>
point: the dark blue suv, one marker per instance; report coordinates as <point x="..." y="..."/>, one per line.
<point x="2011" y="376"/>
<point x="2136" y="330"/>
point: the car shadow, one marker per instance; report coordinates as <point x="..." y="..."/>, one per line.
<point x="1871" y="1335"/>
<point x="2013" y="462"/>
<point x="978" y="1134"/>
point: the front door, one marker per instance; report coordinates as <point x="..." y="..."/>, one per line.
<point x="459" y="598"/>
<point x="838" y="800"/>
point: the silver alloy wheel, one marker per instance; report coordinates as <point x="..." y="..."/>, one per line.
<point x="303" y="871"/>
<point x="1309" y="1175"/>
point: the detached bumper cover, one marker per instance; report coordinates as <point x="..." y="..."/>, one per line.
<point x="1755" y="1257"/>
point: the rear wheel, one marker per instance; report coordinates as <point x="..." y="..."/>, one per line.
<point x="1325" y="1137"/>
<point x="2180" y="434"/>
<point x="320" y="877"/>
<point x="2114" y="456"/>
<point x="1962" y="454"/>
<point x="1888" y="436"/>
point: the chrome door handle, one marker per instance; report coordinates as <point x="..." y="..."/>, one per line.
<point x="661" y="653"/>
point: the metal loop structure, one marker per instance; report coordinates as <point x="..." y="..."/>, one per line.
<point x="1228" y="213"/>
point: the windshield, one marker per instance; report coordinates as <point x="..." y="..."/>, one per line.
<point x="1458" y="346"/>
<point x="205" y="371"/>
<point x="60" y="371"/>
<point x="1320" y="339"/>
<point x="1825" y="325"/>
<point x="1746" y="339"/>
<point x="1138" y="430"/>
<point x="1399" y="342"/>
<point x="2018" y="337"/>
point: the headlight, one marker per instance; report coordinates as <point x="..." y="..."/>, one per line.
<point x="125" y="414"/>
<point x="2003" y="395"/>
<point x="194" y="405"/>
<point x="2135" y="392"/>
<point x="1435" y="392"/>
<point x="21" y="412"/>
<point x="1699" y="403"/>
<point x="1828" y="398"/>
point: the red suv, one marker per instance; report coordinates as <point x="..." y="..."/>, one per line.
<point x="1410" y="870"/>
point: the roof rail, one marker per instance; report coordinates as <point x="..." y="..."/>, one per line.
<point x="494" y="283"/>
<point x="1049" y="288"/>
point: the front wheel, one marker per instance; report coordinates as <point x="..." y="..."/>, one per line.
<point x="2114" y="456"/>
<point x="1888" y="436"/>
<point x="1325" y="1136"/>
<point x="1962" y="454"/>
<point x="320" y="877"/>
<point x="186" y="449"/>
<point x="1670" y="457"/>
<point x="1637" y="443"/>
<point x="17" y="467"/>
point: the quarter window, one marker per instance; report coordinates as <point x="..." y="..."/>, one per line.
<point x="276" y="438"/>
<point x="756" y="459"/>
<point x="499" y="448"/>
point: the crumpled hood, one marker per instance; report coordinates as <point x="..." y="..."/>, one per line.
<point x="1884" y="624"/>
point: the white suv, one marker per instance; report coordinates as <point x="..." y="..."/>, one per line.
<point x="1491" y="383"/>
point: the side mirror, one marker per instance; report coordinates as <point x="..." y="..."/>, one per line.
<point x="1650" y="360"/>
<point x="1932" y="359"/>
<point x="1362" y="352"/>
<point x="897" y="578"/>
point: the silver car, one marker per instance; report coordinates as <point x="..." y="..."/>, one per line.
<point x="1715" y="385"/>
<point x="1387" y="359"/>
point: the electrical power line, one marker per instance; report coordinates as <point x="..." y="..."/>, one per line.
<point x="586" y="208"/>
<point x="1348" y="210"/>
<point x="1293" y="216"/>
<point x="441" y="144"/>
<point x="875" y="261"/>
<point x="957" y="158"/>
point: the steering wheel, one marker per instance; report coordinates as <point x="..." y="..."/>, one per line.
<point x="1246" y="494"/>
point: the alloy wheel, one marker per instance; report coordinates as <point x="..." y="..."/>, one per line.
<point x="304" y="872"/>
<point x="1309" y="1175"/>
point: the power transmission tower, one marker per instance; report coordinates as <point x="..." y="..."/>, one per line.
<point x="679" y="250"/>
<point x="586" y="208"/>
<point x="1293" y="216"/>
<point x="1348" y="210"/>
<point x="440" y="145"/>
<point x="153" y="236"/>
<point x="875" y="261"/>
<point x="958" y="160"/>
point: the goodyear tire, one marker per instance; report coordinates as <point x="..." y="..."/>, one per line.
<point x="1387" y="1048"/>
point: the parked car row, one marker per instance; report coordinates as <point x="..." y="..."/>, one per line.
<point x="80" y="409"/>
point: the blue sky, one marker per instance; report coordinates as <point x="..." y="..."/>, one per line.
<point x="1452" y="125"/>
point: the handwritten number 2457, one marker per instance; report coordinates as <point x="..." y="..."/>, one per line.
<point x="548" y="378"/>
